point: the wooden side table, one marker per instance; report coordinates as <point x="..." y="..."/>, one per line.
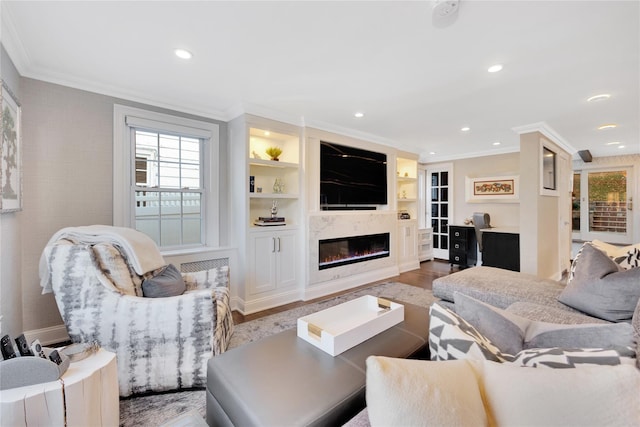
<point x="87" y="394"/>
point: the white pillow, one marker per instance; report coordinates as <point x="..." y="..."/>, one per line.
<point x="590" y="396"/>
<point x="403" y="392"/>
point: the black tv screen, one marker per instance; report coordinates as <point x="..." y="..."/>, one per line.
<point x="351" y="176"/>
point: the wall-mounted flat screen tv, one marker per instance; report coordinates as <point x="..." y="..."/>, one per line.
<point x="351" y="176"/>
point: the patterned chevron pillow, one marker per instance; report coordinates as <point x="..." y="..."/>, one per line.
<point x="453" y="338"/>
<point x="574" y="358"/>
<point x="626" y="257"/>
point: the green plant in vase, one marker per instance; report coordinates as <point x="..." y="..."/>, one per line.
<point x="274" y="153"/>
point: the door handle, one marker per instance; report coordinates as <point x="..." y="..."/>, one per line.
<point x="278" y="244"/>
<point x="273" y="245"/>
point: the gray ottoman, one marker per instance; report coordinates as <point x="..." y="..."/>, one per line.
<point x="282" y="380"/>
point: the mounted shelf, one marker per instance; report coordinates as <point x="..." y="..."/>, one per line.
<point x="272" y="163"/>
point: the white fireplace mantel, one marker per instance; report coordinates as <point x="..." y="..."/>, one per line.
<point x="336" y="224"/>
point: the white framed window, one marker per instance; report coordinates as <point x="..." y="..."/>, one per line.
<point x="165" y="180"/>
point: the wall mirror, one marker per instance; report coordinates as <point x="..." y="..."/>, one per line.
<point x="549" y="181"/>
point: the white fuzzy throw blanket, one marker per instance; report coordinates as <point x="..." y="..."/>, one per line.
<point x="140" y="250"/>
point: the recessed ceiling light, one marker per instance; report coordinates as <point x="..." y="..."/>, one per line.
<point x="495" y="68"/>
<point x="613" y="143"/>
<point x="432" y="153"/>
<point x="496" y="143"/>
<point x="358" y="114"/>
<point x="465" y="129"/>
<point x="620" y="146"/>
<point x="267" y="133"/>
<point x="608" y="126"/>
<point x="183" y="53"/>
<point x="600" y="97"/>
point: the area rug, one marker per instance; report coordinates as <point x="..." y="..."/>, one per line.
<point x="163" y="409"/>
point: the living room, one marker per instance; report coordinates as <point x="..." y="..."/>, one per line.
<point x="69" y="177"/>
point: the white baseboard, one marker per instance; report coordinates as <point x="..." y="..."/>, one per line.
<point x="266" y="302"/>
<point x="47" y="336"/>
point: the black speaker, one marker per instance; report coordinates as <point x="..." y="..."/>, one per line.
<point x="585" y="155"/>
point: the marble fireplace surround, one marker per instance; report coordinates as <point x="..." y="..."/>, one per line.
<point x="332" y="225"/>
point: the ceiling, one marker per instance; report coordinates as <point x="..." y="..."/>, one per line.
<point x="417" y="79"/>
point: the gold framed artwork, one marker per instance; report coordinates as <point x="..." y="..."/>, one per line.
<point x="492" y="189"/>
<point x="10" y="152"/>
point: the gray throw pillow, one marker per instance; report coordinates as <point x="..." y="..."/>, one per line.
<point x="503" y="329"/>
<point x="512" y="333"/>
<point x="166" y="283"/>
<point x="600" y="289"/>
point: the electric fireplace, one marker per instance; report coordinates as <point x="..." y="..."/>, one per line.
<point x="349" y="250"/>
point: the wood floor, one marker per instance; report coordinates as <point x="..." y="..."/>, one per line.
<point x="422" y="278"/>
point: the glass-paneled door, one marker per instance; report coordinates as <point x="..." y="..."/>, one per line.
<point x="438" y="198"/>
<point x="602" y="205"/>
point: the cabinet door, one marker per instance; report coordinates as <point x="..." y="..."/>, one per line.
<point x="262" y="270"/>
<point x="287" y="259"/>
<point x="407" y="241"/>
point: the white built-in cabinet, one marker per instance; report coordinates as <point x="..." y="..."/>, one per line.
<point x="272" y="261"/>
<point x="407" y="203"/>
<point x="270" y="271"/>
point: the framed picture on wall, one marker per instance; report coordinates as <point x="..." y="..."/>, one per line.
<point x="492" y="189"/>
<point x="10" y="152"/>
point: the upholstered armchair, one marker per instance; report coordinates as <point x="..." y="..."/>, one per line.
<point x="161" y="343"/>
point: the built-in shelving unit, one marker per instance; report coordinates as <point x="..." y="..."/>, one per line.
<point x="269" y="268"/>
<point x="407" y="185"/>
<point x="407" y="205"/>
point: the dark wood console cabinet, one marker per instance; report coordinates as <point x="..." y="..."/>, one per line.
<point x="501" y="250"/>
<point x="463" y="245"/>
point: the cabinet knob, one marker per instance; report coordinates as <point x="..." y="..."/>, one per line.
<point x="457" y="258"/>
<point x="456" y="233"/>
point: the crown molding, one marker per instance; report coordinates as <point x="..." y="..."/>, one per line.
<point x="426" y="158"/>
<point x="547" y="131"/>
<point x="11" y="40"/>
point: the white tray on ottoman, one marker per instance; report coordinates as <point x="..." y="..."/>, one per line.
<point x="346" y="325"/>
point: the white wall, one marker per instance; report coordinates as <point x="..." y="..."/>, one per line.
<point x="502" y="214"/>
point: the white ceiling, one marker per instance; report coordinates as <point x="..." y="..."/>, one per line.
<point x="317" y="63"/>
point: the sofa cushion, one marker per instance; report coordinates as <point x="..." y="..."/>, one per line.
<point x="453" y="338"/>
<point x="600" y="289"/>
<point x="574" y="357"/>
<point x="402" y="392"/>
<point x="166" y="282"/>
<point x="625" y="256"/>
<point x="499" y="287"/>
<point x="544" y="313"/>
<point x="512" y="333"/>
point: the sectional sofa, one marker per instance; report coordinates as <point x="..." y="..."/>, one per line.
<point x="493" y="322"/>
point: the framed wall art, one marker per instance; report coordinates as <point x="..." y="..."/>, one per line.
<point x="492" y="189"/>
<point x="10" y="152"/>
